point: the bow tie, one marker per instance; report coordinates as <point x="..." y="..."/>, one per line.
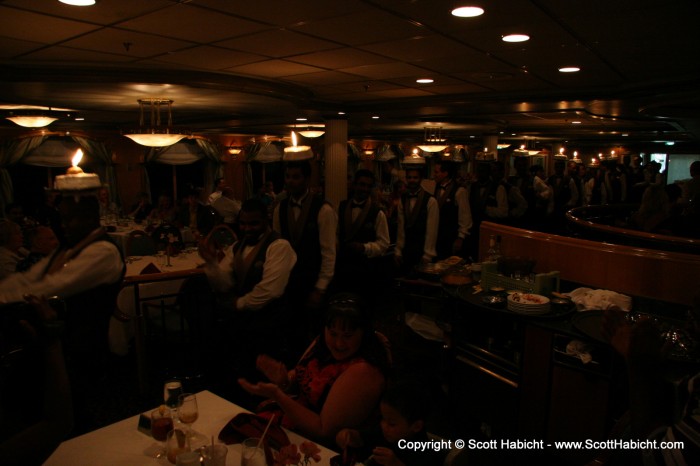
<point x="358" y="205"/>
<point x="410" y="195"/>
<point x="296" y="204"/>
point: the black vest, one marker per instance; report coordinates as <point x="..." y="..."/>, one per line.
<point x="414" y="234"/>
<point x="87" y="319"/>
<point x="366" y="233"/>
<point x="448" y="226"/>
<point x="244" y="285"/>
<point x="307" y="247"/>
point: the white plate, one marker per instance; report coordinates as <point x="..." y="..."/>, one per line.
<point x="528" y="299"/>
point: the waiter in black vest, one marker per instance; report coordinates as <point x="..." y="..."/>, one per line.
<point x="363" y="236"/>
<point x="455" y="214"/>
<point x="252" y="278"/>
<point x="309" y="223"/>
<point x="419" y="215"/>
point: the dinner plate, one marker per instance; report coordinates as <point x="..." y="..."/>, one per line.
<point x="528" y="299"/>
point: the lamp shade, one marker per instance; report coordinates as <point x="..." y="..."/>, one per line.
<point x="32" y="121"/>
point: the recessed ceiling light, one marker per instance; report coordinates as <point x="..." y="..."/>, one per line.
<point x="467" y="11"/>
<point x="569" y="69"/>
<point x="78" y="2"/>
<point x="79" y="119"/>
<point x="516" y="38"/>
<point x="375" y="117"/>
<point x="575" y="122"/>
<point x="341" y="113"/>
<point x="425" y="80"/>
<point x="301" y="119"/>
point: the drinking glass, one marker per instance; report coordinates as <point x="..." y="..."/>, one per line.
<point x="252" y="454"/>
<point x="161" y="425"/>
<point x="171" y="393"/>
<point x="214" y="455"/>
<point x="176" y="444"/>
<point x="187" y="411"/>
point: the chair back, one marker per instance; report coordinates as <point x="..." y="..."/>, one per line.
<point x="222" y="236"/>
<point x="167" y="234"/>
<point x="139" y="243"/>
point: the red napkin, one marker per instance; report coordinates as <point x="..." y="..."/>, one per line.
<point x="150" y="268"/>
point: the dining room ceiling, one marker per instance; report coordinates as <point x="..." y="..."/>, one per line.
<point x="252" y="68"/>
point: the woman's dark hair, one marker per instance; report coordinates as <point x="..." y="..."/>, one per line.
<point x="351" y="312"/>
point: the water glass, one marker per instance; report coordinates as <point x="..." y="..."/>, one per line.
<point x="251" y="454"/>
<point x="214" y="455"/>
<point x="176" y="444"/>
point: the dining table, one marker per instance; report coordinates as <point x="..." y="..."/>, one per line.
<point x="123" y="444"/>
<point x="119" y="232"/>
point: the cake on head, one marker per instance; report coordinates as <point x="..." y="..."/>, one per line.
<point x="75" y="179"/>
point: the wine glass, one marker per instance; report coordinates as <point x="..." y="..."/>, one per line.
<point x="172" y="389"/>
<point x="188" y="412"/>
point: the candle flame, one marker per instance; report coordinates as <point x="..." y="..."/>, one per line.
<point x="575" y="154"/>
<point x="294" y="139"/>
<point x="561" y="150"/>
<point x="77" y="157"/>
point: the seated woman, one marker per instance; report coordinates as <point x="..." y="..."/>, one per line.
<point x="339" y="379"/>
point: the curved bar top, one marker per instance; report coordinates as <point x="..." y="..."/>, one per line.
<point x="581" y="217"/>
<point x="650" y="273"/>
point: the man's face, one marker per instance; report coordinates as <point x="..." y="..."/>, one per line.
<point x="362" y="188"/>
<point x="413" y="180"/>
<point x="252" y="224"/>
<point x="439" y="175"/>
<point x="295" y="181"/>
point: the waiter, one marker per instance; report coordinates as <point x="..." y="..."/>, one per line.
<point x="363" y="236"/>
<point x="309" y="223"/>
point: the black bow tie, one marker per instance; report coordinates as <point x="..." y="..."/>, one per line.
<point x="410" y="195"/>
<point x="296" y="204"/>
<point x="358" y="205"/>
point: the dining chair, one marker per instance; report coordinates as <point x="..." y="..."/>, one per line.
<point x="139" y="243"/>
<point x="222" y="236"/>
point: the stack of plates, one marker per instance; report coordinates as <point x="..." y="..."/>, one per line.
<point x="528" y="303"/>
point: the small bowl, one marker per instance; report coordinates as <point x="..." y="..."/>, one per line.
<point x="560" y="304"/>
<point x="494" y="300"/>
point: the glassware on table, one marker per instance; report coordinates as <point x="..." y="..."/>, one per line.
<point x="161" y="425"/>
<point x="214" y="455"/>
<point x="176" y="444"/>
<point x="187" y="410"/>
<point x="252" y="453"/>
<point x="172" y="389"/>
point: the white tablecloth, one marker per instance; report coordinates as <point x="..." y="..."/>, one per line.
<point x="122" y="444"/>
<point x="121" y="235"/>
<point x="120" y="333"/>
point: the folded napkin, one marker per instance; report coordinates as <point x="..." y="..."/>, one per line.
<point x="150" y="268"/>
<point x="588" y="299"/>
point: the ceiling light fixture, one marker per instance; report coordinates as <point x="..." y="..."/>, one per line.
<point x="425" y="81"/>
<point x="569" y="69"/>
<point x="516" y="38"/>
<point x="156" y="135"/>
<point x="467" y="11"/>
<point x="433" y="141"/>
<point x="78" y="2"/>
<point x="32" y="121"/>
<point x="313" y="132"/>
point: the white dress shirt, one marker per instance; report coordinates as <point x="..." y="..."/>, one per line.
<point x="500" y="210"/>
<point x="279" y="261"/>
<point x="327" y="236"/>
<point x="379" y="246"/>
<point x="97" y="264"/>
<point x="430" y="230"/>
<point x="464" y="212"/>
